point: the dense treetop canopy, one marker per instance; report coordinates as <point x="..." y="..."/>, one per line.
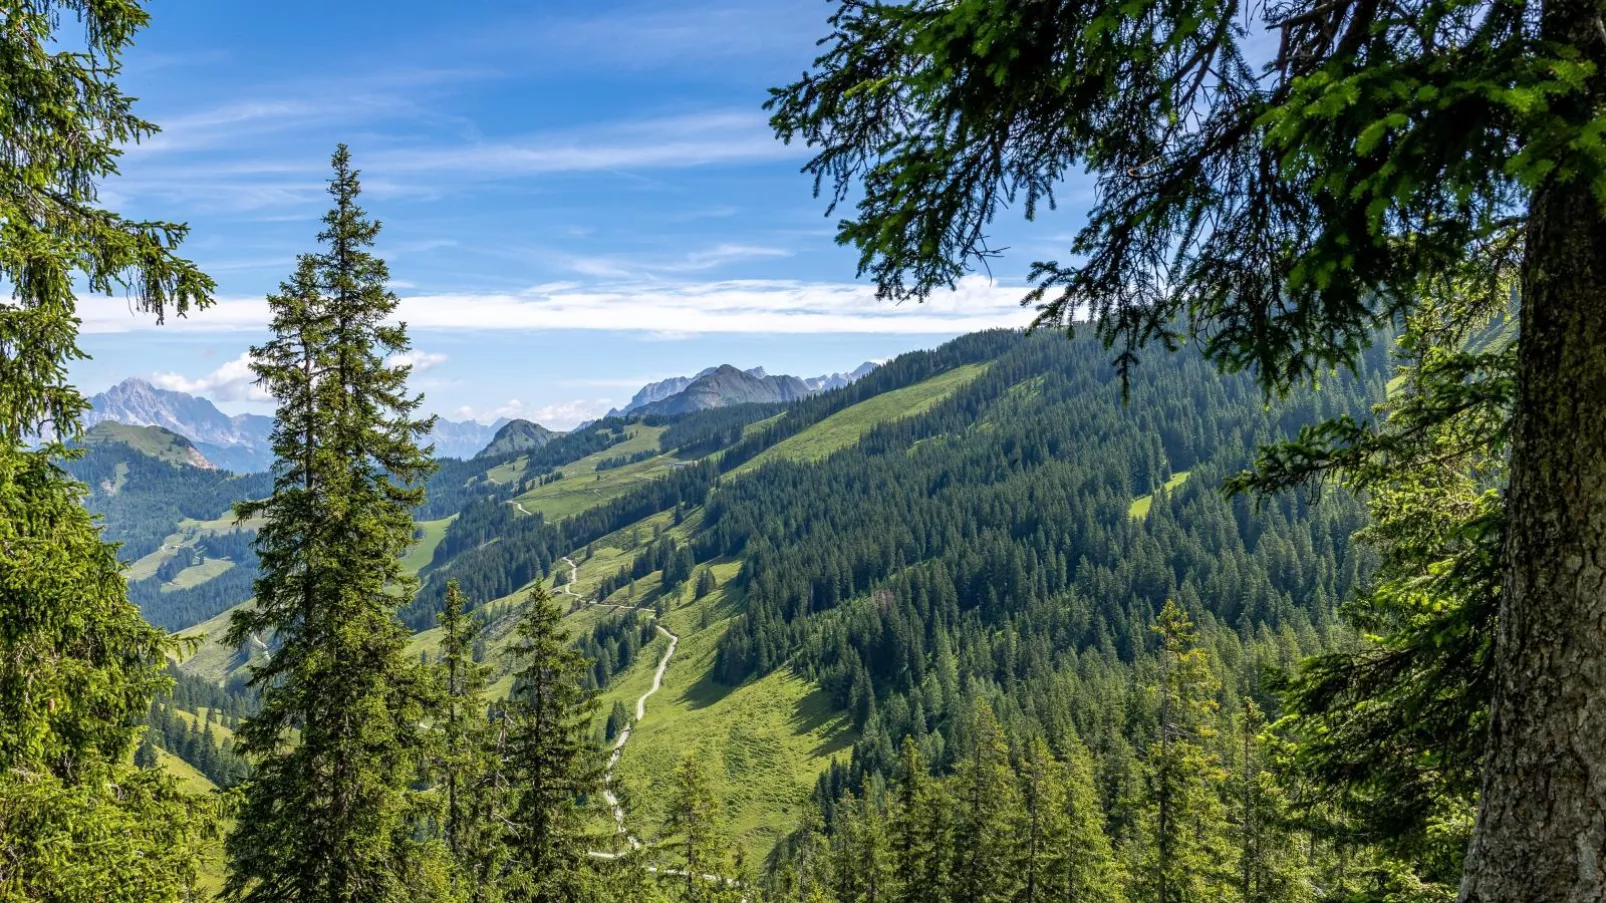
<point x="1282" y="179"/>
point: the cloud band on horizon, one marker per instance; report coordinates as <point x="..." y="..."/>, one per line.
<point x="734" y="306"/>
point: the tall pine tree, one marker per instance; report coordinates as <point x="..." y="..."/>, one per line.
<point x="985" y="790"/>
<point x="1184" y="856"/>
<point x="336" y="741"/>
<point x="552" y="762"/>
<point x="467" y="763"/>
<point x="78" y="664"/>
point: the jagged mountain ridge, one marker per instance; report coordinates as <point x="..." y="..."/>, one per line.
<point x="727" y="385"/>
<point x="240" y="442"/>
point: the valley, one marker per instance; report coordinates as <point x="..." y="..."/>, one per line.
<point x="666" y="535"/>
<point x="1199" y="496"/>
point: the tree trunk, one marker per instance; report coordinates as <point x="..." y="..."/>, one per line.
<point x="1541" y="830"/>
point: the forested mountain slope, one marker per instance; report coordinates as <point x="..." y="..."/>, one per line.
<point x="988" y="520"/>
<point x="187" y="558"/>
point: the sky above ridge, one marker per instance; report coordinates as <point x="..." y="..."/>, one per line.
<point x="577" y="198"/>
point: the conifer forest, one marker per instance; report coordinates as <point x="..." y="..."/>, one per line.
<point x="1218" y="515"/>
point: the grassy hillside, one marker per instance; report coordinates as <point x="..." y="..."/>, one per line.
<point x="1141" y="505"/>
<point x="762" y="744"/>
<point x="197" y="574"/>
<point x="205" y="654"/>
<point x="430" y="533"/>
<point x="844" y="428"/>
<point x="190" y="780"/>
<point x="152" y="441"/>
<point x="584" y="487"/>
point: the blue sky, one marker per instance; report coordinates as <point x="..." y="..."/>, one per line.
<point x="577" y="197"/>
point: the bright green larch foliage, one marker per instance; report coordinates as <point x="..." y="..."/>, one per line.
<point x="337" y="741"/>
<point x="78" y="665"/>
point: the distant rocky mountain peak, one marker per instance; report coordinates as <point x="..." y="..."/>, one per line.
<point x="727" y="385"/>
<point x="240" y="442"/>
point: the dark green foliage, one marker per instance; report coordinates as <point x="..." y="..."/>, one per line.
<point x="78" y="665"/>
<point x="618" y="720"/>
<point x="613" y="646"/>
<point x="1392" y="733"/>
<point x="467" y="763"/>
<point x="703" y="432"/>
<point x="705" y="583"/>
<point x="983" y="867"/>
<point x="1265" y="205"/>
<point x="625" y="460"/>
<point x="1017" y="540"/>
<point x="1280" y="207"/>
<point x="325" y="812"/>
<point x="1024" y="828"/>
<point x="551" y="760"/>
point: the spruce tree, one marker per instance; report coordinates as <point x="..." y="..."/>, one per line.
<point x="985" y="790"/>
<point x="618" y="720"/>
<point x="922" y="832"/>
<point x="705" y="583"/>
<point x="467" y="765"/>
<point x="693" y="838"/>
<point x="1090" y="873"/>
<point x="78" y="664"/>
<point x="552" y="763"/>
<point x="1184" y="859"/>
<point x="336" y="741"/>
<point x="1042" y="826"/>
<point x="145" y="754"/>
<point x="862" y="861"/>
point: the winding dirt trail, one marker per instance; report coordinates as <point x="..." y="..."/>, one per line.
<point x="624" y="737"/>
<point x="618" y="750"/>
<point x="619" y="742"/>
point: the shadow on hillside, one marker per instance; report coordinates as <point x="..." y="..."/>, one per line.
<point x="813" y="713"/>
<point x="705" y="692"/>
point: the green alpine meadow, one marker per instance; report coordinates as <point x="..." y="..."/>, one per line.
<point x="413" y="488"/>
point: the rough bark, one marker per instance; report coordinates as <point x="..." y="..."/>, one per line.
<point x="1541" y="831"/>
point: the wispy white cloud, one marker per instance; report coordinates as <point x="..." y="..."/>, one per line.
<point x="233" y="381"/>
<point x="211" y="161"/>
<point x="563" y="415"/>
<point x="732" y="306"/>
<point x="420" y="361"/>
<point x="666" y="142"/>
<point x="622" y="266"/>
<point x="657" y="34"/>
